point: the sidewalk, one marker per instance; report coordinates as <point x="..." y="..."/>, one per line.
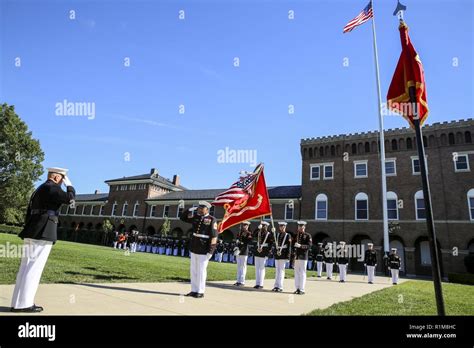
<point x="221" y="298"/>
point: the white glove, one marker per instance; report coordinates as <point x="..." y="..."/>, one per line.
<point x="66" y="181"/>
<point x="365" y="265"/>
<point x="192" y="209"/>
<point x="297" y="245"/>
<point x="209" y="256"/>
<point x="260" y="226"/>
<point x="273" y="229"/>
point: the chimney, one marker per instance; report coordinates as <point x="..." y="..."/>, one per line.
<point x="154" y="172"/>
<point x="176" y="180"/>
<point x="96" y="192"/>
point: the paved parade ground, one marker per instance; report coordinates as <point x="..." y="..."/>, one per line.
<point x="167" y="298"/>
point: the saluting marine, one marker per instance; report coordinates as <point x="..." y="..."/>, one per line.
<point x="370" y="262"/>
<point x="328" y="260"/>
<point x="202" y="245"/>
<point x="342" y="260"/>
<point x="302" y="244"/>
<point x="282" y="255"/>
<point x="319" y="259"/>
<point x="394" y="264"/>
<point x="241" y="250"/>
<point x="264" y="244"/>
<point x="39" y="235"/>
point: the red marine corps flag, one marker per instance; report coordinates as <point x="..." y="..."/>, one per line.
<point x="409" y="73"/>
<point x="246" y="199"/>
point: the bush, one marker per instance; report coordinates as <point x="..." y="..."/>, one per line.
<point x="10" y="229"/>
<point x="469" y="263"/>
<point x="461" y="278"/>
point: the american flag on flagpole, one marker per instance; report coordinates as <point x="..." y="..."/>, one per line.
<point x="363" y="17"/>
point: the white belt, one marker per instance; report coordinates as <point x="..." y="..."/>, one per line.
<point x="284" y="247"/>
<point x="263" y="245"/>
<point x="201" y="235"/>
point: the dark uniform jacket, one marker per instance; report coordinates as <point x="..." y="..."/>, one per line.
<point x="204" y="229"/>
<point x="285" y="247"/>
<point x="328" y="255"/>
<point x="305" y="240"/>
<point x="220" y="248"/>
<point x="319" y="255"/>
<point x="370" y="257"/>
<point x="260" y="236"/>
<point x="342" y="256"/>
<point x="394" y="261"/>
<point x="42" y="215"/>
<point x="244" y="238"/>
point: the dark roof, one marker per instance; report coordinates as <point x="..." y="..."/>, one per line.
<point x="92" y="197"/>
<point x="274" y="192"/>
<point x="157" y="178"/>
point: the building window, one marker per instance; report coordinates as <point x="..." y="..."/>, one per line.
<point x="314" y="174"/>
<point x="425" y="253"/>
<point x="470" y="202"/>
<point x="124" y="209"/>
<point x="141" y="186"/>
<point x="288" y="211"/>
<point x="328" y="171"/>
<point x="461" y="163"/>
<point x="392" y="205"/>
<point x="135" y="209"/>
<point x="179" y="211"/>
<point x="166" y="211"/>
<point x="92" y="210"/>
<point x="83" y="210"/>
<point x="420" y="206"/>
<point x="415" y="165"/>
<point x="77" y="210"/>
<point x="153" y="211"/>
<point x="360" y="169"/>
<point x="114" y="209"/>
<point x="390" y="167"/>
<point x="67" y="209"/>
<point x="361" y="206"/>
<point x="133" y="187"/>
<point x="102" y="210"/>
<point x="123" y="187"/>
<point x="321" y="207"/>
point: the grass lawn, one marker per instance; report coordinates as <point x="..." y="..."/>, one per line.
<point x="410" y="298"/>
<point x="73" y="263"/>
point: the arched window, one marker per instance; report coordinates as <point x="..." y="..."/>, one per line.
<point x="420" y="206"/>
<point x="425" y="141"/>
<point x="451" y="139"/>
<point x="321" y="152"/>
<point x="124" y="209"/>
<point x="373" y="147"/>
<point x="401" y="144"/>
<point x="338" y="150"/>
<point x="354" y="149"/>
<point x="321" y="207"/>
<point x="444" y="139"/>
<point x="394" y="145"/>
<point x="135" y="209"/>
<point x="359" y="148"/>
<point x="459" y="138"/>
<point x="392" y="205"/>
<point x="367" y="147"/>
<point x="333" y="150"/>
<point x="114" y="209"/>
<point x="361" y="206"/>
<point x="431" y="141"/>
<point x="467" y="137"/>
<point x="470" y="203"/>
<point x="409" y="144"/>
<point x="310" y="153"/>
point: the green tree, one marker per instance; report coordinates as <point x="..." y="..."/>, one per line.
<point x="165" y="228"/>
<point x="20" y="165"/>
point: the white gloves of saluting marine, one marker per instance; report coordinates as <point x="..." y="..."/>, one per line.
<point x="66" y="181"/>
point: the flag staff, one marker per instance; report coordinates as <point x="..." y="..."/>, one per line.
<point x="426" y="188"/>
<point x="386" y="246"/>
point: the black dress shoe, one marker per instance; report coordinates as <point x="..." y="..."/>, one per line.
<point x="279" y="290"/>
<point x="192" y="293"/>
<point x="275" y="289"/>
<point x="301" y="292"/>
<point x="256" y="287"/>
<point x="237" y="284"/>
<point x="370" y="283"/>
<point x="297" y="292"/>
<point x="199" y="295"/>
<point x="32" y="309"/>
<point x="329" y="278"/>
<point x="319" y="276"/>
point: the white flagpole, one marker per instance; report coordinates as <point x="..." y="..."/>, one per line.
<point x="382" y="140"/>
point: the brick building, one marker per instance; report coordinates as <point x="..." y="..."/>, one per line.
<point x="339" y="196"/>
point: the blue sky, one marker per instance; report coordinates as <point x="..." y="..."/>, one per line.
<point x="191" y="62"/>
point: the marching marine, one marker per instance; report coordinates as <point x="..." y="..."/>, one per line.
<point x="394" y="264"/>
<point x="39" y="235"/>
<point x="301" y="245"/>
<point x="264" y="244"/>
<point x="370" y="262"/>
<point x="328" y="260"/>
<point x="202" y="244"/>
<point x="319" y="259"/>
<point x="241" y="250"/>
<point x="282" y="255"/>
<point x="342" y="260"/>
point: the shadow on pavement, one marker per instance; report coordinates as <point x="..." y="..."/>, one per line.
<point x="100" y="286"/>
